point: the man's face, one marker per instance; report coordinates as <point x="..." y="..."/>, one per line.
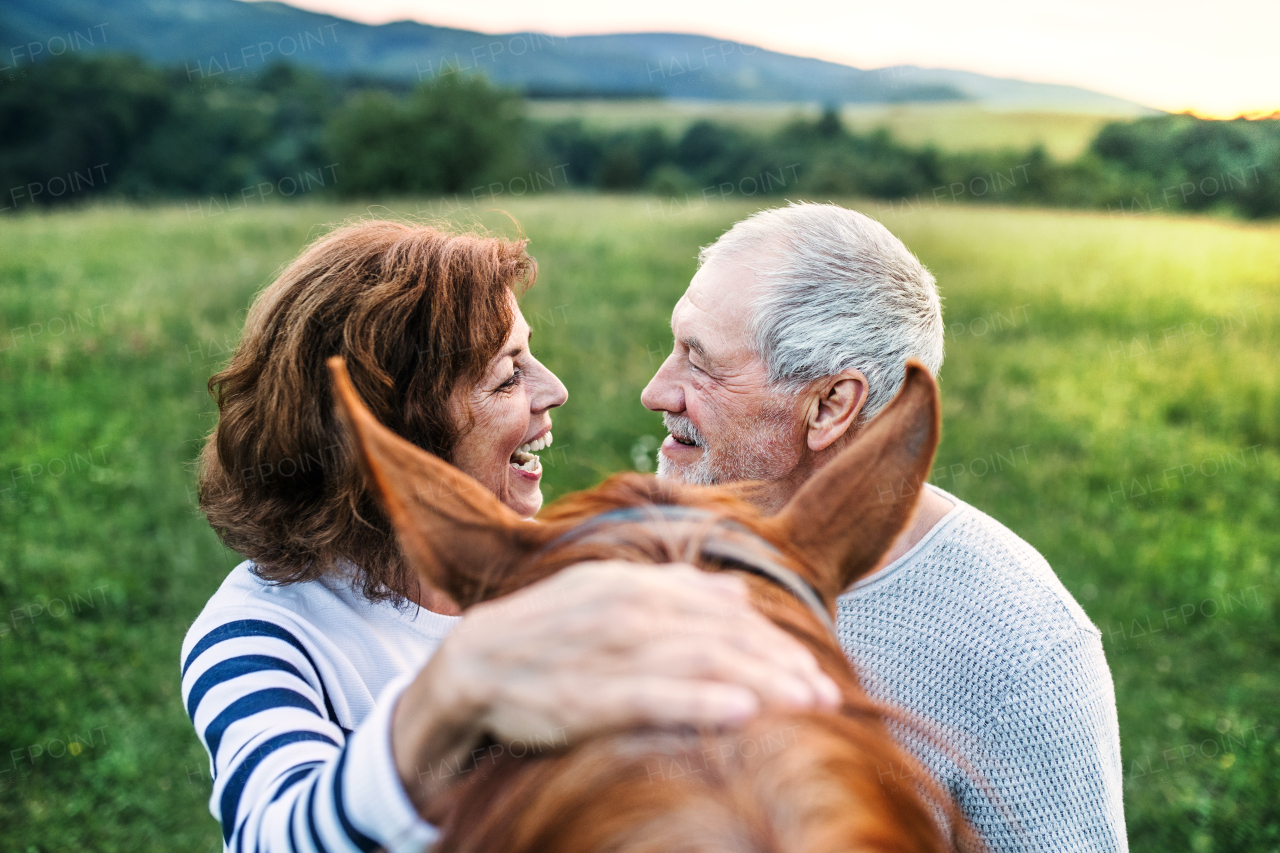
<point x="725" y="422"/>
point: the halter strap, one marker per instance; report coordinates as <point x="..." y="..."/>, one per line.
<point x="740" y="558"/>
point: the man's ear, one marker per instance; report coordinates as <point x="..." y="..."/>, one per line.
<point x="850" y="512"/>
<point x="457" y="536"/>
<point x="833" y="412"/>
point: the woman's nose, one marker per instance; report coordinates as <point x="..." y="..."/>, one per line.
<point x="550" y="391"/>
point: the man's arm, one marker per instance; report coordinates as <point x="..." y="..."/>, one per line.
<point x="1052" y="777"/>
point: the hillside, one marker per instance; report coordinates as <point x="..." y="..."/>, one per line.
<point x="215" y="39"/>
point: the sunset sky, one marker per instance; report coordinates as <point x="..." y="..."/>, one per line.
<point x="1218" y="60"/>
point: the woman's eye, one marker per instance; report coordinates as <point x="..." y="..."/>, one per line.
<point x="512" y="381"/>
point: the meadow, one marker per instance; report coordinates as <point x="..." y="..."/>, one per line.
<point x="1111" y="392"/>
<point x="948" y="125"/>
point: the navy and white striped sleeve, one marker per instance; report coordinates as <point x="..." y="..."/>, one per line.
<point x="286" y="776"/>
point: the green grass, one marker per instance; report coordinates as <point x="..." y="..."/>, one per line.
<point x="950" y="126"/>
<point x="1055" y="405"/>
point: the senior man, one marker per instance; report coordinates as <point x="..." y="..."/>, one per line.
<point x="792" y="335"/>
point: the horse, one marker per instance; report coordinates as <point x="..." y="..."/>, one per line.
<point x="786" y="781"/>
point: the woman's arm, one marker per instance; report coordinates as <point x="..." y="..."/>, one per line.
<point x="286" y="776"/>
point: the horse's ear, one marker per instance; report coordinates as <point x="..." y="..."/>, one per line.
<point x="457" y="536"/>
<point x="849" y="513"/>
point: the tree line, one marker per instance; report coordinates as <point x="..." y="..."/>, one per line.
<point x="77" y="127"/>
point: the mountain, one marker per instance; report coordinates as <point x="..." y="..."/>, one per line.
<point x="218" y="39"/>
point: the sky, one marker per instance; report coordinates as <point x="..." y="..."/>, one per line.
<point x="1218" y="60"/>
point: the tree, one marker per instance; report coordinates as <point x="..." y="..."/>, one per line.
<point x="76" y="116"/>
<point x="447" y="137"/>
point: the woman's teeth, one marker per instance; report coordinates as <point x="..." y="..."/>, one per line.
<point x="524" y="459"/>
<point x="526" y="462"/>
<point x="535" y="446"/>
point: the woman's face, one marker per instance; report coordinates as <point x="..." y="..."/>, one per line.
<point x="511" y="406"/>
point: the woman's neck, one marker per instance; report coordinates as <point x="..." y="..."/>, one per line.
<point x="436" y="602"/>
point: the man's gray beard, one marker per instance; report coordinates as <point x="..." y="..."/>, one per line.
<point x="760" y="454"/>
<point x="700" y="473"/>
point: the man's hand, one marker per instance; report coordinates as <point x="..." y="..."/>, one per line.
<point x="597" y="646"/>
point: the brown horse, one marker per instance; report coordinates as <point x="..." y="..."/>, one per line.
<point x="817" y="782"/>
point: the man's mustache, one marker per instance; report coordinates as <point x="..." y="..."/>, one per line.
<point x="682" y="428"/>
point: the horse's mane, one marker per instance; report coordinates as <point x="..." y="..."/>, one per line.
<point x="638" y="490"/>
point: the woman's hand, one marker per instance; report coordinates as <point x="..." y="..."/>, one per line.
<point x="599" y="645"/>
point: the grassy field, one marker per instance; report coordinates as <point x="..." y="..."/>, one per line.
<point x="1111" y="392"/>
<point x="950" y="126"/>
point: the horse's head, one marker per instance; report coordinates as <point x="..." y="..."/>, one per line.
<point x="786" y="781"/>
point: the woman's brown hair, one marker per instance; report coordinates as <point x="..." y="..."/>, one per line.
<point x="416" y="312"/>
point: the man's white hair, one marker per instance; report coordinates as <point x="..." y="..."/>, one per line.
<point x="839" y="292"/>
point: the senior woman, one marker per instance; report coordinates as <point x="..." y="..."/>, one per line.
<point x="340" y="699"/>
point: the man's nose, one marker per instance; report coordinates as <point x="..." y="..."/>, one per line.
<point x="663" y="393"/>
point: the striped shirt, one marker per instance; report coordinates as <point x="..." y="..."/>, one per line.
<point x="291" y="690"/>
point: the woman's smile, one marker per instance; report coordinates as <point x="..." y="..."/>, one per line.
<point x="523" y="460"/>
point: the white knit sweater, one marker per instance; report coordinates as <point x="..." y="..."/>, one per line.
<point x="973" y="635"/>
